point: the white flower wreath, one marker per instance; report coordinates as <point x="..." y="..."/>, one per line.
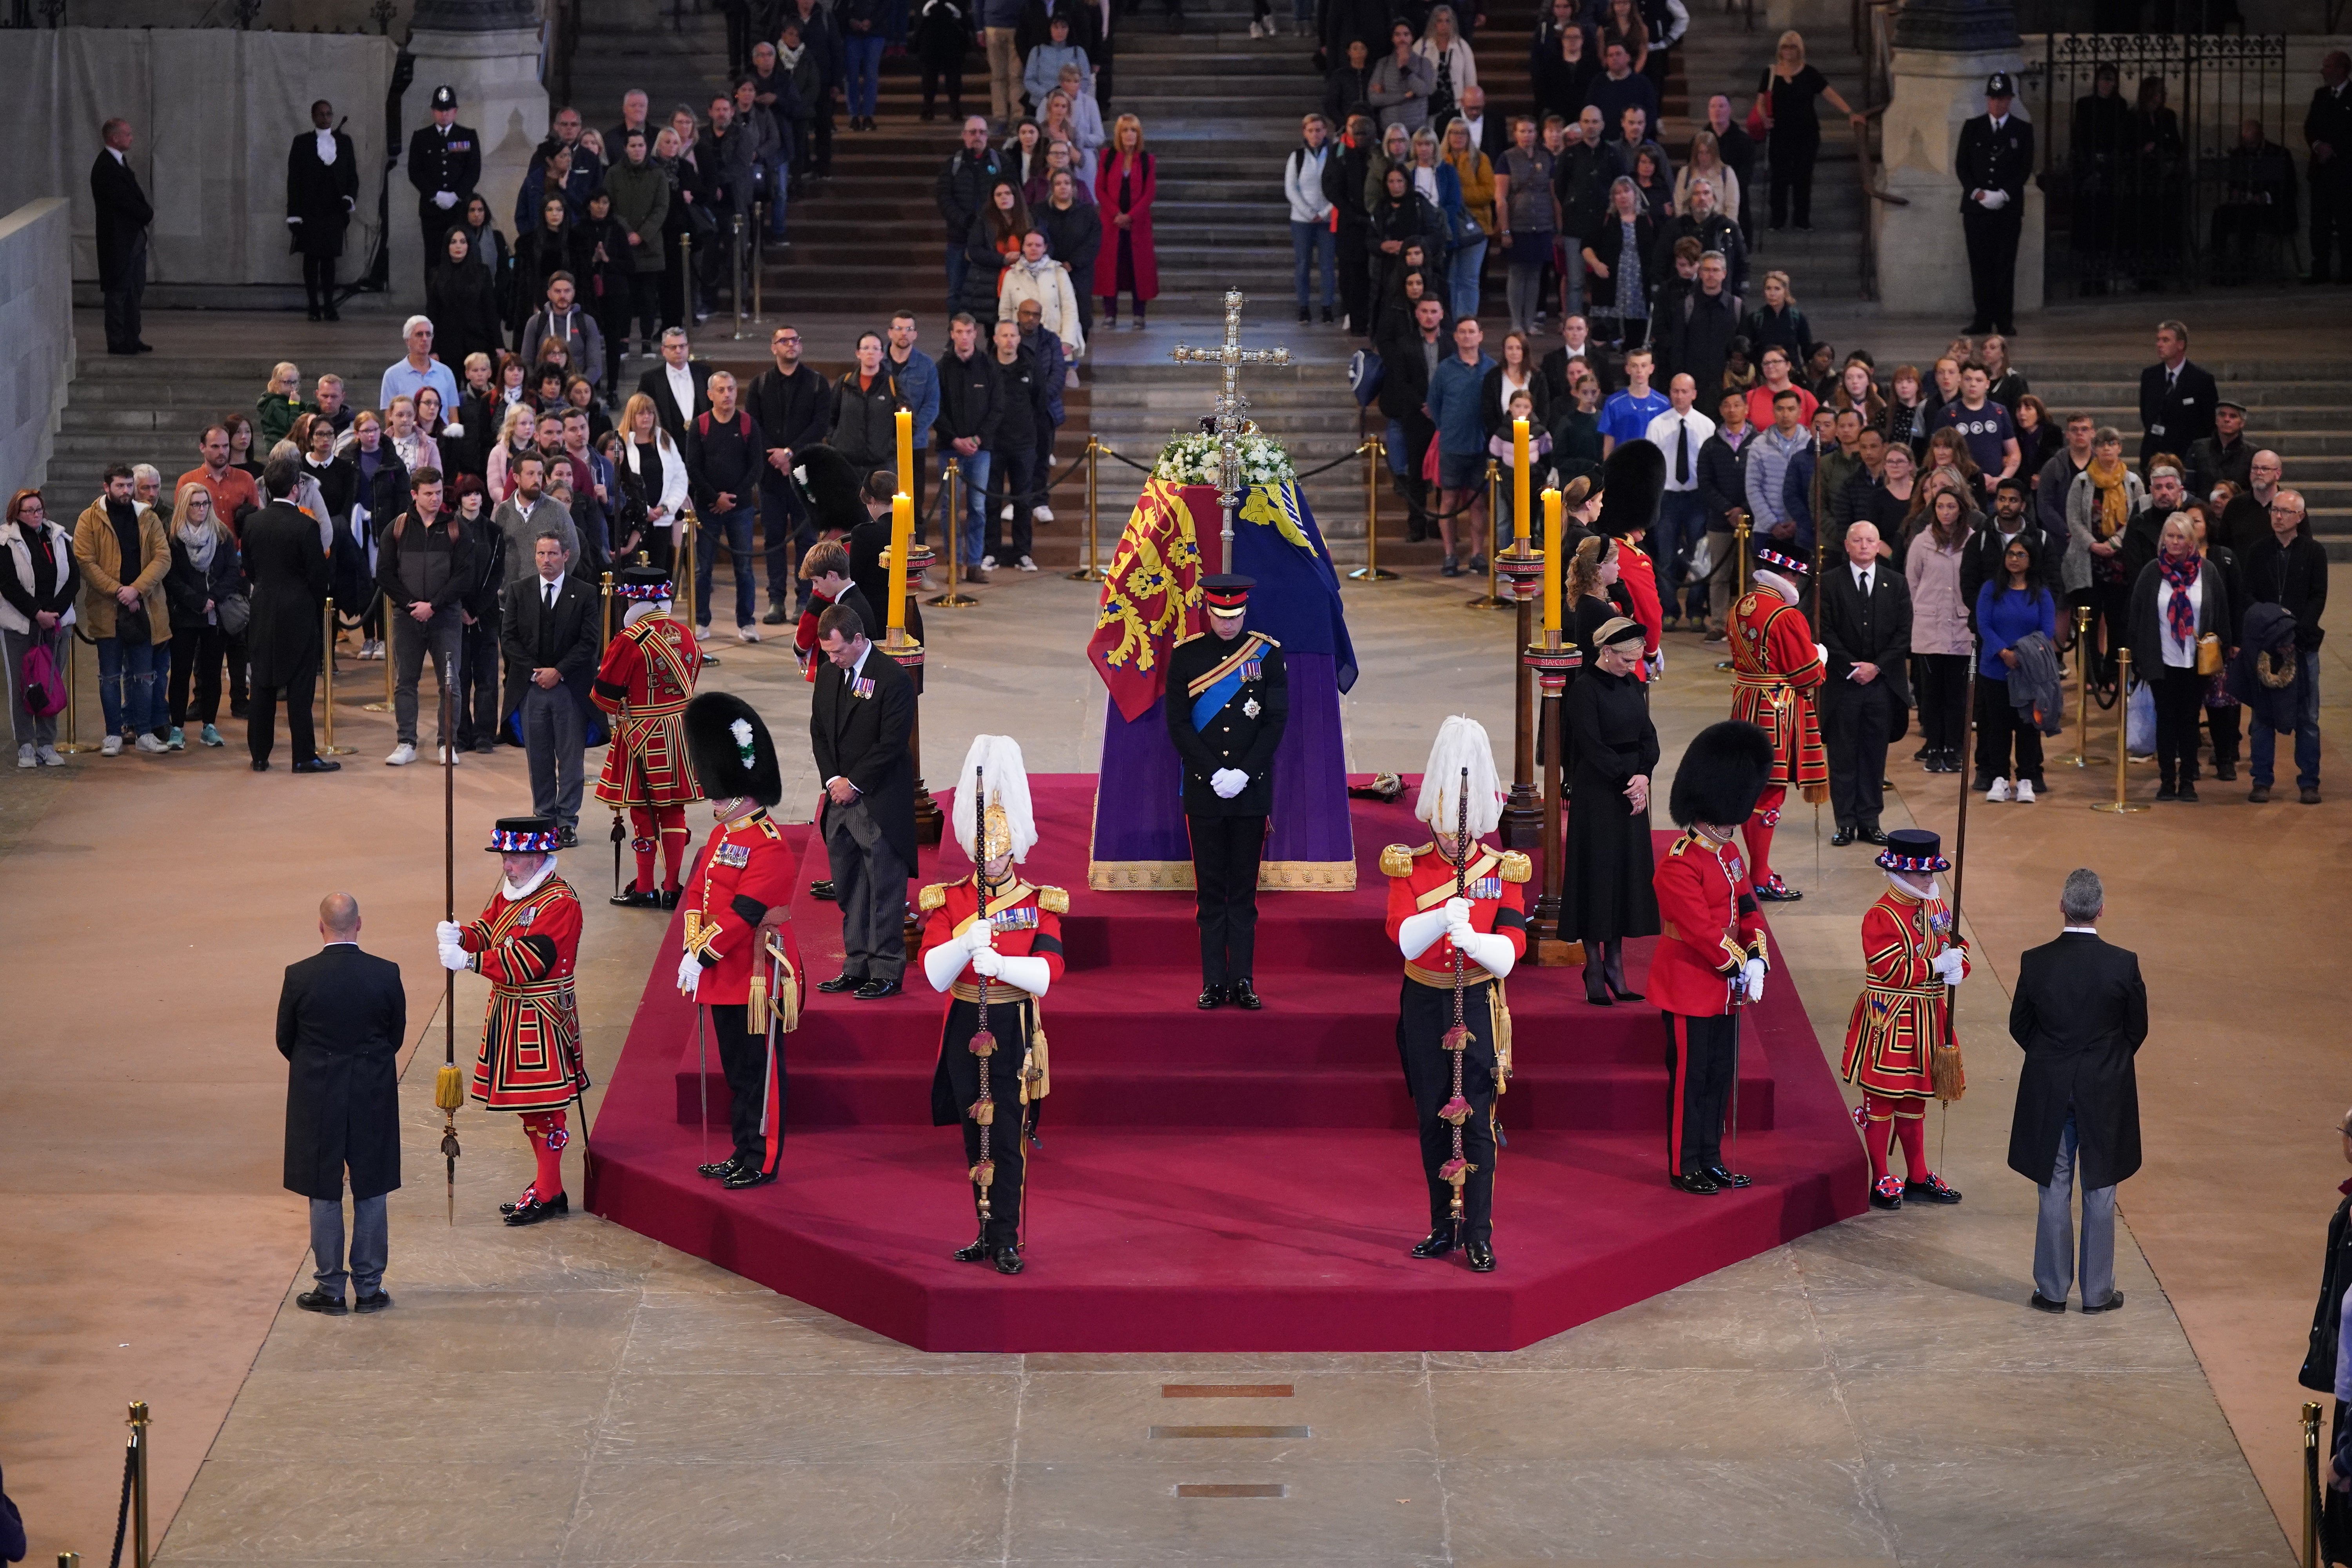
<point x="1195" y="457"/>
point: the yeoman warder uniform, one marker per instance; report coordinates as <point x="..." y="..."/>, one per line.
<point x="740" y="960"/>
<point x="525" y="943"/>
<point x="1710" y="958"/>
<point x="645" y="682"/>
<point x="1994" y="161"/>
<point x="1912" y="955"/>
<point x="1456" y="900"/>
<point x="993" y="943"/>
<point x="1777" y="674"/>
<point x="1228" y="702"/>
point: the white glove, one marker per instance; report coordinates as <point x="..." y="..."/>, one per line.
<point x="445" y="200"/>
<point x="1455" y="910"/>
<point x="1657" y="663"/>
<point x="1490" y="951"/>
<point x="987" y="963"/>
<point x="978" y="937"/>
<point x="690" y="974"/>
<point x="1993" y="200"/>
<point x="1228" y="782"/>
<point x="1417" y="934"/>
<point x="294" y="220"/>
<point x="1460" y="929"/>
<point x="1949" y="965"/>
<point x="1032" y="975"/>
<point x="447" y="931"/>
<point x="1751" y="976"/>
<point x="455" y="957"/>
<point x="1823" y="654"/>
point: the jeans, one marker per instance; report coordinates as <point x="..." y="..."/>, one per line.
<point x="195" y="653"/>
<point x="27" y="729"/>
<point x="445" y="634"/>
<point x="734" y="528"/>
<point x="2306" y="729"/>
<point x="1682" y="524"/>
<point x="957" y="267"/>
<point x="1571" y="275"/>
<point x="371" y="1242"/>
<point x="1308" y="239"/>
<point x="2054" y="1258"/>
<point x="1464" y="272"/>
<point x="126" y="686"/>
<point x="974" y="471"/>
<point x="553" y="730"/>
<point x="864" y="51"/>
<point x="1523" y="286"/>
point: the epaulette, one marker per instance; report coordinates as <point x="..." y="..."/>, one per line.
<point x="933" y="896"/>
<point x="1396" y="860"/>
<point x="1196" y="636"/>
<point x="1270" y="642"/>
<point x="768" y="825"/>
<point x="1053" y="901"/>
<point x="1517" y="867"/>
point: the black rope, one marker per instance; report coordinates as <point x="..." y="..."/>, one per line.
<point x="123" y="1509"/>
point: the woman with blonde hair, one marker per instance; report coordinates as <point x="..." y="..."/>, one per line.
<point x="1448" y="53"/>
<point x="653" y="473"/>
<point x="1784" y="97"/>
<point x="416" y="448"/>
<point x="517" y="438"/>
<point x="1124" y="186"/>
<point x="1705" y="163"/>
<point x="1474" y="173"/>
<point x="204" y="575"/>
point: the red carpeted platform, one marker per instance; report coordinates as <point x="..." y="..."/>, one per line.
<point x="1219" y="1181"/>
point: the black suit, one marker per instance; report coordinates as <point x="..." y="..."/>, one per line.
<point x="860" y="734"/>
<point x="442" y="161"/>
<point x="1228" y="834"/>
<point x="123" y="216"/>
<point x="2329" y="120"/>
<point x="319" y="199"/>
<point x="552" y="719"/>
<point x="2176" y="416"/>
<point x="1993" y="159"/>
<point x="343" y="1019"/>
<point x="795" y="412"/>
<point x="1858" y="720"/>
<point x="290" y="579"/>
<point x="655" y="384"/>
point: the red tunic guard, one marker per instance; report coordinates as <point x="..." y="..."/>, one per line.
<point x="646" y="680"/>
<point x="1911" y="956"/>
<point x="735" y="906"/>
<point x="1776" y="670"/>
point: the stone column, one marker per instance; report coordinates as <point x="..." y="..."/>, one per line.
<point x="1944" y="51"/>
<point x="489" y="52"/>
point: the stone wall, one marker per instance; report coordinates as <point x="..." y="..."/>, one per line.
<point x="36" y="323"/>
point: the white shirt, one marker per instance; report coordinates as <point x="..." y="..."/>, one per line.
<point x="549" y="587"/>
<point x="681" y="387"/>
<point x="116" y="154"/>
<point x="853" y="675"/>
<point x="2178" y="654"/>
<point x="1665" y="433"/>
<point x="1862" y="577"/>
<point x="325" y="141"/>
<point x="2081" y="930"/>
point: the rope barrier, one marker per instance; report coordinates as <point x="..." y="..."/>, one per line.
<point x="123" y="1509"/>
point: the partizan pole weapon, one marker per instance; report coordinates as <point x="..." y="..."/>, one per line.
<point x="448" y="1089"/>
<point x="983" y="1043"/>
<point x="1944" y="1055"/>
<point x="1456" y="1171"/>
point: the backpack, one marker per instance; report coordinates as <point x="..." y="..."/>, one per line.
<point x="43" y="688"/>
<point x="742" y="424"/>
<point x="1365" y="373"/>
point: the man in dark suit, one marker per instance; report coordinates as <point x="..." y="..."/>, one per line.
<point x="341" y="1019"/>
<point x="1994" y="161"/>
<point x="680" y="385"/>
<point x="289" y="571"/>
<point x="1406" y="356"/>
<point x="2328" y="131"/>
<point x="548" y="627"/>
<point x="2080" y="1011"/>
<point x="793" y="406"/>
<point x="859" y="720"/>
<point x="1228" y="701"/>
<point x="445" y="165"/>
<point x="322" y="188"/>
<point x="2176" y="398"/>
<point x="1866" y="627"/>
<point x="123" y="216"/>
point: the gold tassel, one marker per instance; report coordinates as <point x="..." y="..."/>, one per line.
<point x="983" y="1111"/>
<point x="983" y="1175"/>
<point x="1944" y="1069"/>
<point x="448" y="1088"/>
<point x="1500" y="1024"/>
<point x="1037" y="1071"/>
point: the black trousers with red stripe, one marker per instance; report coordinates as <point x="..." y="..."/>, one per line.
<point x="743" y="1058"/>
<point x="955" y="1089"/>
<point x="1698" y="1089"/>
<point x="1425" y="1013"/>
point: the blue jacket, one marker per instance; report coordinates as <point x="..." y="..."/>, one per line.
<point x="1453" y="405"/>
<point x="919" y="384"/>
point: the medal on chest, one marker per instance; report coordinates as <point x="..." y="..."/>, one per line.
<point x="1250" y="710"/>
<point x="1484" y="890"/>
<point x="1022" y="917"/>
<point x="737" y="856"/>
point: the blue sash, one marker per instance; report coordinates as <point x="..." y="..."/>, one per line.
<point x="1211" y="702"/>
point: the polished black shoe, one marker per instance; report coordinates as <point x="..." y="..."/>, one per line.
<point x="875" y="989"/>
<point x="1886" y="1195"/>
<point x="1436" y="1244"/>
<point x="375" y="1303"/>
<point x="1481" y="1257"/>
<point x="776" y="616"/>
<point x="1924" y="754"/>
<point x="2042" y="1303"/>
<point x="2189" y="794"/>
<point x="1617" y="988"/>
<point x="1696" y="1183"/>
<point x="1210" y="996"/>
<point x="1873" y="834"/>
<point x="2114" y="1299"/>
<point x="1008" y="1260"/>
<point x="315" y="765"/>
<point x="320" y="1301"/>
<point x="1595" y="989"/>
<point x="718" y="1169"/>
<point x="568" y="838"/>
<point x="1931" y="1191"/>
<point x="670" y="896"/>
<point x="2226" y="772"/>
<point x="1725" y="1178"/>
<point x="631" y="897"/>
<point x="842" y="982"/>
<point x="562" y="1205"/>
<point x="823" y="889"/>
<point x="1842" y="837"/>
<point x="743" y="1176"/>
<point x="264" y="767"/>
<point x="1239" y="995"/>
<point x="1777" y="892"/>
<point x="978" y="1252"/>
<point x="530" y="1211"/>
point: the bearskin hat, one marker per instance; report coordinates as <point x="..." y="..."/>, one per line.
<point x="1722" y="774"/>
<point x="734" y="757"/>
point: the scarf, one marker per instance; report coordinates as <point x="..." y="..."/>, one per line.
<point x="791" y="58"/>
<point x="2180" y="615"/>
<point x="2108" y="480"/>
<point x="199" y="543"/>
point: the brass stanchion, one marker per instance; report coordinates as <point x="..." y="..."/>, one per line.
<point x="328" y="748"/>
<point x="1489" y="600"/>
<point x="686" y="276"/>
<point x="607" y="611"/>
<point x="758" y="251"/>
<point x="72" y="746"/>
<point x="689" y="527"/>
<point x="2312" y="1465"/>
<point x="951" y="599"/>
<point x="1092" y="572"/>
<point x="735" y="270"/>
<point x="1522" y="824"/>
<point x="68" y="1560"/>
<point x="139" y="1423"/>
<point x="385" y="705"/>
<point x="1374" y="450"/>
<point x="2120" y="805"/>
<point x="2083" y="757"/>
<point x="1740" y="527"/>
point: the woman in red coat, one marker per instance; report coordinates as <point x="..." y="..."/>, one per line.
<point x="1124" y="186"/>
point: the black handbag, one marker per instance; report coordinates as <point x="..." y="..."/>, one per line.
<point x="131" y="626"/>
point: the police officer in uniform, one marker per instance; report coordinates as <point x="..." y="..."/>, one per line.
<point x="1995" y="158"/>
<point x="1227" y="701"/>
<point x="445" y="163"/>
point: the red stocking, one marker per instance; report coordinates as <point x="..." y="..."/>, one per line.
<point x="641" y="826"/>
<point x="674" y="837"/>
<point x="546" y="1130"/>
<point x="1911" y="1127"/>
<point x="1877" y="1125"/>
<point x="1757" y="833"/>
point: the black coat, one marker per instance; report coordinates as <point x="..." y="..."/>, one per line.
<point x="1072" y="237"/>
<point x="2149" y="596"/>
<point x="341" y="1019"/>
<point x="1233" y="737"/>
<point x="1404" y="370"/>
<point x="971" y="399"/>
<point x="123" y="216"/>
<point x="462" y="300"/>
<point x="2176" y="418"/>
<point x="1723" y="477"/>
<point x="521" y="607"/>
<point x="793" y="411"/>
<point x="289" y="576"/>
<point x="655" y="384"/>
<point x="322" y="195"/>
<point x="451" y="163"/>
<point x="2294" y="576"/>
<point x="187" y="590"/>
<point x="2080" y="1011"/>
<point x="1882" y="636"/>
<point x="1607" y="891"/>
<point x="863" y="739"/>
<point x="1990" y="160"/>
<point x="866" y="421"/>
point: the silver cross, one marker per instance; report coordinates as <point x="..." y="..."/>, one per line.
<point x="1231" y="407"/>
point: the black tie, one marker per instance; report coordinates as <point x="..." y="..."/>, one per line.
<point x="551" y="598"/>
<point x="1682" y="452"/>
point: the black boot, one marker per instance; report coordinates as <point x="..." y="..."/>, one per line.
<point x="976" y="1253"/>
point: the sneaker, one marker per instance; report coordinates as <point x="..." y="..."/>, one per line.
<point x="1007" y="513"/>
<point x="1025" y="564"/>
<point x="402" y="756"/>
<point x="747" y="633"/>
<point x="447" y="757"/>
<point x="1042" y="514"/>
<point x="1998" y="792"/>
<point x="2025" y="792"/>
<point x="1257" y="29"/>
<point x="988" y="562"/>
<point x="25" y="757"/>
<point x="175" y="742"/>
<point x="110" y="747"/>
<point x="209" y="736"/>
<point x="49" y="757"/>
<point x="150" y="743"/>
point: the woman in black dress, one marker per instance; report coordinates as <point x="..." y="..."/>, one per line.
<point x="1793" y="140"/>
<point x="1606" y="895"/>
